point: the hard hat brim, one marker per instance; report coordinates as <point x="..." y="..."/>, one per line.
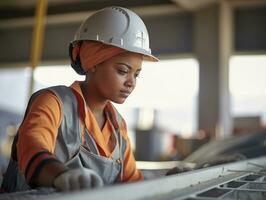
<point x="147" y="56"/>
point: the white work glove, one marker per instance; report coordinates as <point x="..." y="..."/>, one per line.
<point x="77" y="179"/>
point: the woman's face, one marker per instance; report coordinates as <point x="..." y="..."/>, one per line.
<point x="115" y="78"/>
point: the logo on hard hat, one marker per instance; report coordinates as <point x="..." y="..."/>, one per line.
<point x="141" y="38"/>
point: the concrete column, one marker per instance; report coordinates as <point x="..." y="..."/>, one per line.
<point x="213" y="57"/>
<point x="225" y="124"/>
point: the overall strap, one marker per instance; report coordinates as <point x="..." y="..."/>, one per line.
<point x="119" y="152"/>
<point x="91" y="142"/>
<point x="69" y="134"/>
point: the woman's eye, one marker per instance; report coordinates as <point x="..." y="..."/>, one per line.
<point x="136" y="75"/>
<point x="122" y="72"/>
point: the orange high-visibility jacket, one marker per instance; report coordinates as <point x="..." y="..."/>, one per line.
<point x="38" y="133"/>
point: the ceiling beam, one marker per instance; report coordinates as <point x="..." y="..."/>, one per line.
<point x="193" y="5"/>
<point x="144" y="11"/>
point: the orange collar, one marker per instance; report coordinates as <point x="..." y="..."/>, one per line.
<point x="89" y="119"/>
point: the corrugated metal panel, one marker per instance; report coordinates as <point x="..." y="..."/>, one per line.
<point x="238" y="180"/>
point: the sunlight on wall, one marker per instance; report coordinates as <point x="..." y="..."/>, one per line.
<point x="248" y="85"/>
<point x="46" y="76"/>
<point x="248" y="75"/>
<point x="14" y="84"/>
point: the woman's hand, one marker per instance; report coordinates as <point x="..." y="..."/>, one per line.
<point x="77" y="179"/>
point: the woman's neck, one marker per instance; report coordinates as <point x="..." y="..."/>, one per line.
<point x="92" y="99"/>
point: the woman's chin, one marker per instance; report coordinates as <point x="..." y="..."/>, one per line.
<point x="119" y="101"/>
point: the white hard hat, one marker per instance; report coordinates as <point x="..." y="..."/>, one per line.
<point x="119" y="27"/>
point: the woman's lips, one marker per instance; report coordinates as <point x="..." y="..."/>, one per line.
<point x="124" y="93"/>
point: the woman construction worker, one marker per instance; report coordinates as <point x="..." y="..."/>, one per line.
<point x="73" y="138"/>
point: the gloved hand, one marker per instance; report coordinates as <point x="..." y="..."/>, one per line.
<point x="178" y="169"/>
<point x="181" y="167"/>
<point x="77" y="179"/>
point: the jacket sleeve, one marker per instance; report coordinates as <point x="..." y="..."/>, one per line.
<point x="131" y="173"/>
<point x="37" y="134"/>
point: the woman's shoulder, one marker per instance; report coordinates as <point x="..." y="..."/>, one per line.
<point x="44" y="96"/>
<point x="43" y="106"/>
<point x="54" y="93"/>
<point x="45" y="100"/>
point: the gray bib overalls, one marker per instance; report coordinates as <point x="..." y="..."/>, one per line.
<point x="69" y="148"/>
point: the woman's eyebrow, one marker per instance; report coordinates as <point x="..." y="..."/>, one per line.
<point x="128" y="66"/>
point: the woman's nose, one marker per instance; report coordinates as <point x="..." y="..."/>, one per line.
<point x="130" y="82"/>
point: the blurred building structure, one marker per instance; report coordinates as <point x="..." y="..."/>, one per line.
<point x="209" y="30"/>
